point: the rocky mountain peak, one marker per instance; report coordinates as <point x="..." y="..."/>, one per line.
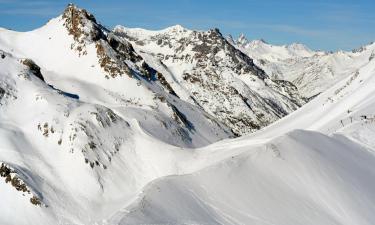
<point x="82" y="25"/>
<point x="111" y="51"/>
<point x="216" y="31"/>
<point x="242" y="40"/>
<point x="72" y="10"/>
<point x="217" y="76"/>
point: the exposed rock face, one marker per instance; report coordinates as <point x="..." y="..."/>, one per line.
<point x="117" y="57"/>
<point x="221" y="79"/>
<point x="86" y="132"/>
<point x="7" y="93"/>
<point x="82" y="26"/>
<point x="212" y="42"/>
<point x="10" y="175"/>
<point x="34" y="69"/>
<point x="202" y="68"/>
<point x="111" y="53"/>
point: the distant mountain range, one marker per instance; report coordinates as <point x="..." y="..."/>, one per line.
<point x="311" y="71"/>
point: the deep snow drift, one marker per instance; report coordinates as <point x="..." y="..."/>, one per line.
<point x="100" y="127"/>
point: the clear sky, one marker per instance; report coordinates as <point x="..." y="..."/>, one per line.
<point x="320" y="24"/>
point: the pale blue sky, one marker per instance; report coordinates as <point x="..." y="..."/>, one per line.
<point x="320" y="24"/>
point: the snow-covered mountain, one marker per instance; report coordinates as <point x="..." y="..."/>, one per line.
<point x="311" y="71"/>
<point x="127" y="127"/>
<point x="323" y="174"/>
<point x="78" y="56"/>
<point x="273" y="53"/>
<point x="203" y="68"/>
<point x="200" y="68"/>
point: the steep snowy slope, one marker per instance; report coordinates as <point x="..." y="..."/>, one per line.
<point x="299" y="178"/>
<point x="65" y="161"/>
<point x="79" y="56"/>
<point x="94" y="131"/>
<point x="281" y="175"/>
<point x="78" y="123"/>
<point x="202" y="67"/>
<point x="68" y="161"/>
<point x="312" y="72"/>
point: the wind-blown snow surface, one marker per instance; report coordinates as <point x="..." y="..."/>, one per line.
<point x="79" y="148"/>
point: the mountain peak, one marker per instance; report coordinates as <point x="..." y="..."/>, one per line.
<point x="73" y="10"/>
<point x="242" y="40"/>
<point x="177" y="28"/>
<point x="263" y="41"/>
<point x="298" y="47"/>
<point x="71" y="5"/>
<point x="216" y="31"/>
<point x="81" y="24"/>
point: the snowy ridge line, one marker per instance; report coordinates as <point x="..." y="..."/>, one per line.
<point x="276" y="156"/>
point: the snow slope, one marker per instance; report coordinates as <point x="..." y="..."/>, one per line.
<point x="311" y="71"/>
<point x="79" y="161"/>
<point x="299" y="178"/>
<point x="94" y="131"/>
<point x="84" y="65"/>
<point x="281" y="174"/>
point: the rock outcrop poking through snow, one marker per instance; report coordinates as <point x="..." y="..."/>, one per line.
<point x="207" y="70"/>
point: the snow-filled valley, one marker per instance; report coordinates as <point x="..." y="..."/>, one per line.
<point x="131" y="126"/>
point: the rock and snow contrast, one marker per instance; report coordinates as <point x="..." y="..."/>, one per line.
<point x="311" y="71"/>
<point x="131" y="126"/>
<point x="204" y="69"/>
